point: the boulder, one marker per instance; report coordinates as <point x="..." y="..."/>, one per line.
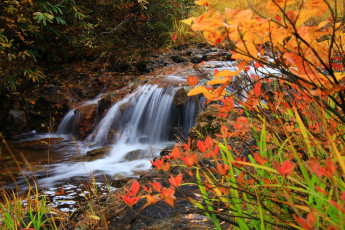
<point x="94" y="154"/>
<point x="17" y="121"/>
<point x="167" y="149"/>
<point x="85" y="119"/>
<point x="180" y="98"/>
<point x="135" y="155"/>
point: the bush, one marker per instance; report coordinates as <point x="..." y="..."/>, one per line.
<point x="291" y="100"/>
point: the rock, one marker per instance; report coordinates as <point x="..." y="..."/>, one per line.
<point x="53" y="95"/>
<point x="99" y="152"/>
<point x="85" y="119"/>
<point x="178" y="59"/>
<point x="42" y="144"/>
<point x="94" y="154"/>
<point x="17" y="121"/>
<point x="196" y="59"/>
<point x="180" y="98"/>
<point x="125" y="106"/>
<point x="167" y="149"/>
<point x="135" y="155"/>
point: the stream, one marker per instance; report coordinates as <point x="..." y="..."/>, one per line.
<point x="134" y="129"/>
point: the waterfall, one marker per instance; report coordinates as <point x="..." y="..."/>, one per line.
<point x="138" y="127"/>
<point x="141" y="117"/>
<point x="66" y="125"/>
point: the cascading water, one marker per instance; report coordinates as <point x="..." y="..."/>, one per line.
<point x="138" y="126"/>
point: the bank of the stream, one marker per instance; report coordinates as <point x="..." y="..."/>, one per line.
<point x="88" y="95"/>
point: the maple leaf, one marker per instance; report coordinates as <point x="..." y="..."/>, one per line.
<point x="152" y="199"/>
<point x="192" y="81"/>
<point x="175" y="153"/>
<point x="286" y="169"/>
<point x="201" y="146"/>
<point x="175" y="181"/>
<point x="208" y="143"/>
<point x="257" y="89"/>
<point x="168" y="195"/>
<point x="190" y="159"/>
<point x="223" y="169"/>
<point x="156" y="186"/>
<point x="259" y="159"/>
<point x="129" y="200"/>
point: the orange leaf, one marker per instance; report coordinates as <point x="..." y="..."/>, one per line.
<point x="192" y="81"/>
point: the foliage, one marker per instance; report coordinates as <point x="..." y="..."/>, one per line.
<point x="291" y="100"/>
<point x="34" y="32"/>
<point x="33" y="208"/>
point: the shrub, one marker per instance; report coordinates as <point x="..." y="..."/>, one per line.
<point x="291" y="100"/>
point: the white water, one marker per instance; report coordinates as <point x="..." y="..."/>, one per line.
<point x="141" y="121"/>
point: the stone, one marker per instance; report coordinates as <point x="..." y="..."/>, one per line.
<point x="167" y="149"/>
<point x="178" y="59"/>
<point x="85" y="119"/>
<point x="135" y="155"/>
<point x="17" y="121"/>
<point x="196" y="59"/>
<point x="180" y="98"/>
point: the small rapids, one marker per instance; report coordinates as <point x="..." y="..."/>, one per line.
<point x="137" y="128"/>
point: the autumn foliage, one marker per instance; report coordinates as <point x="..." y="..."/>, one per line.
<point x="291" y="100"/>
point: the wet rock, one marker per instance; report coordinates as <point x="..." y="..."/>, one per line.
<point x="52" y="94"/>
<point x="42" y="144"/>
<point x="196" y="59"/>
<point x="180" y="98"/>
<point x="85" y="119"/>
<point x="167" y="149"/>
<point x="125" y="106"/>
<point x="99" y="152"/>
<point x="94" y="154"/>
<point x="119" y="67"/>
<point x="178" y="59"/>
<point x="135" y="155"/>
<point x="17" y="121"/>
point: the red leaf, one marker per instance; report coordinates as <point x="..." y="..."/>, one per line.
<point x="257" y="88"/>
<point x="208" y="143"/>
<point x="321" y="190"/>
<point x="175" y="181"/>
<point x="201" y="146"/>
<point x="156" y="186"/>
<point x="223" y="169"/>
<point x="259" y="159"/>
<point x="316" y="168"/>
<point x="135" y="187"/>
<point x="286" y="169"/>
<point x="216" y="71"/>
<point x="175" y="153"/>
<point x="190" y="159"/>
<point x="278" y="18"/>
<point x="331" y="168"/>
<point x="152" y="199"/>
<point x="192" y="81"/>
<point x="168" y="195"/>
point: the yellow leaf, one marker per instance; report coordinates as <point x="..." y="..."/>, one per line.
<point x="202" y="3"/>
<point x="339" y="76"/>
<point x="188" y="21"/>
<point x="228" y="73"/>
<point x="217" y="81"/>
<point x="322" y="24"/>
<point x="198" y="90"/>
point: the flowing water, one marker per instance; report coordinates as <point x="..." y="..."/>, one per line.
<point x="137" y="128"/>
